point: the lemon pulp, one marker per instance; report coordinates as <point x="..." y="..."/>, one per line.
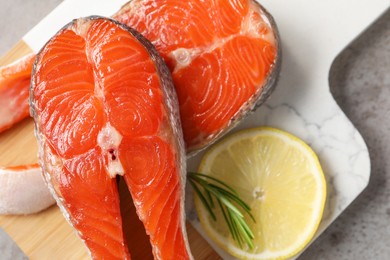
<point x="281" y="179"/>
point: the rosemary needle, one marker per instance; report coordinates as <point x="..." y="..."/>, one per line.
<point x="212" y="192"/>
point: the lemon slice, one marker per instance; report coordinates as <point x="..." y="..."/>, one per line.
<point x="281" y="179"/>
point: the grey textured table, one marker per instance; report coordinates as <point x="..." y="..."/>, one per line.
<point x="360" y="83"/>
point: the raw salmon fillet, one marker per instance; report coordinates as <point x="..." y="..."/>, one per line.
<point x="14" y="86"/>
<point x="104" y="105"/>
<point x="224" y="56"/>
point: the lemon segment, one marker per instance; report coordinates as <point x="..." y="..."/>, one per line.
<point x="280" y="178"/>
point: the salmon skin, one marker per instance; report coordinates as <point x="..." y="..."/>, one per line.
<point x="224" y="56"/>
<point x="104" y="106"/>
<point x="23" y="191"/>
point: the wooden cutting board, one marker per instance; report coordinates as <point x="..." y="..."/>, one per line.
<point x="47" y="235"/>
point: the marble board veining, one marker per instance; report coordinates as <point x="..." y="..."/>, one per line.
<point x="313" y="33"/>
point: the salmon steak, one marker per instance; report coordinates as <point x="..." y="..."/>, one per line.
<point x="104" y="106"/>
<point x="14" y="85"/>
<point x="224" y="56"/>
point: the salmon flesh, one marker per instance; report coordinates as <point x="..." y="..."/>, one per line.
<point x="224" y="56"/>
<point x="14" y="86"/>
<point x="104" y="106"/>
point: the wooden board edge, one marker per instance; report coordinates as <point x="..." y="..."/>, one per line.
<point x="19" y="50"/>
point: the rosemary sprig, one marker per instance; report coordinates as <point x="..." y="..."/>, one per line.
<point x="209" y="189"/>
